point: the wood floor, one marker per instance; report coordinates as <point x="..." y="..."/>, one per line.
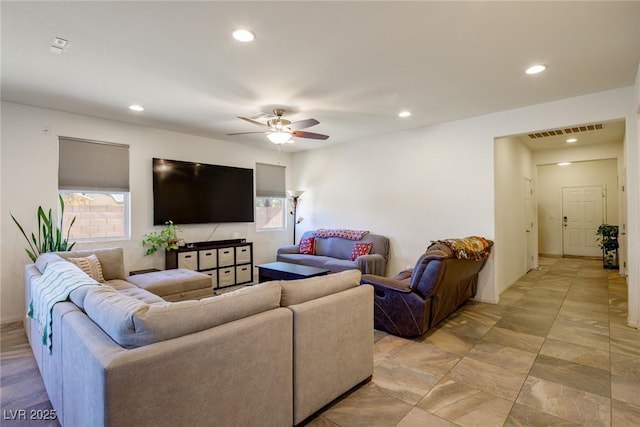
<point x="555" y="351"/>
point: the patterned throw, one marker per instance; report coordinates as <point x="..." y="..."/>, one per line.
<point x="473" y="247"/>
<point x="344" y="234"/>
<point x="55" y="285"/>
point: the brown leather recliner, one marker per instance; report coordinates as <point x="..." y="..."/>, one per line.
<point x="414" y="301"/>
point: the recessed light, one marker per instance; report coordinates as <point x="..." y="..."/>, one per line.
<point x="572" y="140"/>
<point x="564" y="163"/>
<point x="535" y="69"/>
<point x="404" y="113"/>
<point x="244" y="36"/>
<point x="136" y="107"/>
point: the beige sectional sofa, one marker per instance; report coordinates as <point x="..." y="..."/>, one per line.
<point x="270" y="354"/>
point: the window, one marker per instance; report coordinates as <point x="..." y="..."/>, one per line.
<point x="98" y="215"/>
<point x="270" y="213"/>
<point x="270" y="197"/>
<point x="93" y="180"/>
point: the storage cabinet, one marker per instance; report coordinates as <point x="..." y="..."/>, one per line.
<point x="188" y="260"/>
<point x="228" y="262"/>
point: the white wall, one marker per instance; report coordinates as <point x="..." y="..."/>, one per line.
<point x="29" y="179"/>
<point x="437" y="182"/>
<point x="632" y="170"/>
<point x="512" y="165"/>
<point x="550" y="182"/>
<point x="414" y="186"/>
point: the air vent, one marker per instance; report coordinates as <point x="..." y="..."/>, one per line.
<point x="566" y="131"/>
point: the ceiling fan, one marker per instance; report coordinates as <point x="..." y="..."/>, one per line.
<point x="279" y="130"/>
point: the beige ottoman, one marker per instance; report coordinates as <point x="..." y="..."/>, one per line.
<point x="174" y="285"/>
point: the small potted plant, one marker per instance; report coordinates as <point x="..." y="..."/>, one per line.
<point x="166" y="238"/>
<point x="608" y="242"/>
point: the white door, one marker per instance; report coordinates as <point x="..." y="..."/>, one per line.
<point x="622" y="231"/>
<point x="582" y="209"/>
<point x="529" y="214"/>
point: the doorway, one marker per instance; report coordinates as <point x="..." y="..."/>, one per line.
<point x="529" y="221"/>
<point x="582" y="214"/>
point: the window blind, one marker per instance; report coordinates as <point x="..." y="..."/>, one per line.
<point x="270" y="181"/>
<point x="92" y="166"/>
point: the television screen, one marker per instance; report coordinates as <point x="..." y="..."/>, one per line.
<point x="198" y="193"/>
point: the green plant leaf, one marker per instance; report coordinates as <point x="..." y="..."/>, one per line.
<point x="50" y="237"/>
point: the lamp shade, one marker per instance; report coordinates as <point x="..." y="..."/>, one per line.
<point x="279" y="137"/>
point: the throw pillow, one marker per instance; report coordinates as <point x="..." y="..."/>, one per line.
<point x="360" y="249"/>
<point x="90" y="265"/>
<point x="307" y="246"/>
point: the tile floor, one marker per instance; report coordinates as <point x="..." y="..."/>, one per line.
<point x="556" y="351"/>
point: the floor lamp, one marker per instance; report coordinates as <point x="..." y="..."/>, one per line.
<point x="294" y="200"/>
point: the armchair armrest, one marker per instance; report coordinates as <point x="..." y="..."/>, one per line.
<point x="289" y="249"/>
<point x="385" y="283"/>
<point x="404" y="275"/>
<point x="397" y="309"/>
<point x="371" y="264"/>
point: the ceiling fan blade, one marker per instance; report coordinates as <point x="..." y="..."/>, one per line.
<point x="246" y="133"/>
<point x="303" y="124"/>
<point x="310" y="135"/>
<point x="263" y="116"/>
<point x="255" y="122"/>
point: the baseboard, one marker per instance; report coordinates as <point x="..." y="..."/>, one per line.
<point x="487" y="300"/>
<point x="550" y="255"/>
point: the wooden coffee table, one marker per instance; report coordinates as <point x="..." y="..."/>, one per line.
<point x="287" y="271"/>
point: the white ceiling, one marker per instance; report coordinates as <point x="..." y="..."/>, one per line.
<point x="351" y="65"/>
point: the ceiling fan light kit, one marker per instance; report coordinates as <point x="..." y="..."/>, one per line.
<point x="280" y="137"/>
<point x="280" y="131"/>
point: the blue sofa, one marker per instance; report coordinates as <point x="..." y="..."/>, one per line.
<point x="334" y="253"/>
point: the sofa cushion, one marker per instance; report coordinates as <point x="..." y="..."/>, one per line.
<point x="126" y="288"/>
<point x="340" y="248"/>
<point x="111" y="260"/>
<point x="309" y="260"/>
<point x="360" y="249"/>
<point x="334" y="247"/>
<point x="78" y="296"/>
<point x="299" y="291"/>
<point x="335" y="264"/>
<point x="132" y="323"/>
<point x="307" y="246"/>
<point x="90" y="265"/>
<point x="43" y="260"/>
<point x="171" y="282"/>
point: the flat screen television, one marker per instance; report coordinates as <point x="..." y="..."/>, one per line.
<point x="198" y="193"/>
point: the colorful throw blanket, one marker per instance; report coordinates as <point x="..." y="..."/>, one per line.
<point x="473" y="247"/>
<point x="55" y="285"/>
<point x="344" y="234"/>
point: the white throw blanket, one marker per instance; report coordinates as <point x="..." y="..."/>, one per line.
<point x="55" y="285"/>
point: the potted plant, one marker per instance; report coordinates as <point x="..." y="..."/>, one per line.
<point x="608" y="242"/>
<point x="50" y="238"/>
<point x="166" y="238"/>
